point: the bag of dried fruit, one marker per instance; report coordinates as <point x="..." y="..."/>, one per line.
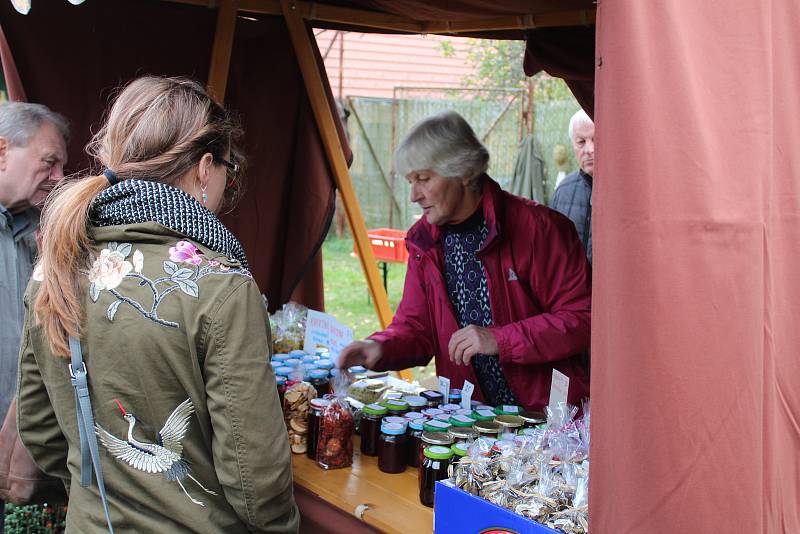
<point x="296" y="402"/>
<point x="335" y="445"/>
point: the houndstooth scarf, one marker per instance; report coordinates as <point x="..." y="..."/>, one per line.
<point x="140" y="201"/>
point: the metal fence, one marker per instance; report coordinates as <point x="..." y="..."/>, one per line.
<point x="376" y="125"/>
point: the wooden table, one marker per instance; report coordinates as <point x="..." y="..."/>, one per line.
<point x="393" y="500"/>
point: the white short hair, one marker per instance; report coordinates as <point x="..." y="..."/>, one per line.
<point x="580" y="117"/>
<point x="445" y="144"/>
<point x="19" y="121"/>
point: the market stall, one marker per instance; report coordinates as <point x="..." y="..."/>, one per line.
<point x="695" y="382"/>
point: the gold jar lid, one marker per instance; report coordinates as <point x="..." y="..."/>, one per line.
<point x="487" y="427"/>
<point x="533" y="417"/>
<point x="437" y="438"/>
<point x="509" y="421"/>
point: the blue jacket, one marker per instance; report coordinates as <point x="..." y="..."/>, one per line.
<point x="573" y="198"/>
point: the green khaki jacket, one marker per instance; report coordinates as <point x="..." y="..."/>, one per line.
<point x="167" y="320"/>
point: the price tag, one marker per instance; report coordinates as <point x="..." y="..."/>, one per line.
<point x="466" y="394"/>
<point x="558" y="388"/>
<point x="444" y="387"/>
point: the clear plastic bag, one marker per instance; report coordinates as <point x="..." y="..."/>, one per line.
<point x="335" y="445"/>
<point x="288" y="327"/>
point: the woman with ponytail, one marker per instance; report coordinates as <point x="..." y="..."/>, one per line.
<point x="135" y="264"/>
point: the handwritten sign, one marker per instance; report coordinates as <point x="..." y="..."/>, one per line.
<point x="466" y="394"/>
<point x="323" y="330"/>
<point x="444" y="388"/>
<point x="559" y="388"/>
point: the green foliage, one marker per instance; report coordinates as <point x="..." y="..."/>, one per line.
<point x="447" y="49"/>
<point x="498" y="63"/>
<point x="35" y="519"/>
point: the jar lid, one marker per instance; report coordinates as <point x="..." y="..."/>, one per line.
<point x="438" y="453"/>
<point x="393" y="429"/>
<point x="437" y="438"/>
<point x="455" y="393"/>
<point x="324" y="363"/>
<point x="309" y="358"/>
<point x="450" y="407"/>
<point x="436" y="426"/>
<point x="487" y="427"/>
<point x="510" y="421"/>
<point x="415" y="400"/>
<point x="462" y="421"/>
<point x="464" y="411"/>
<point x="507" y="409"/>
<point x="280" y="357"/>
<point x="275" y="364"/>
<point x="319" y="403"/>
<point x="414" y="415"/>
<point x="460" y="449"/>
<point x="445" y="417"/>
<point x="284" y="370"/>
<point x="416" y="424"/>
<point x="280" y="380"/>
<point x="293" y="362"/>
<point x="483" y="415"/>
<point x="319" y="373"/>
<point x="321" y="351"/>
<point x="297" y="353"/>
<point x="474" y="404"/>
<point x="374" y="409"/>
<point x="394" y="419"/>
<point x="533" y="417"/>
<point x="357" y="369"/>
<point x="431" y="412"/>
<point x="463" y="433"/>
<point x="396" y="404"/>
<point x="432" y="395"/>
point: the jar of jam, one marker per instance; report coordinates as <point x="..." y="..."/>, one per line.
<point x="319" y="379"/>
<point x="462" y="421"/>
<point x="434" y="398"/>
<point x="371" y="416"/>
<point x="488" y="429"/>
<point x="434" y="468"/>
<point x="279" y="357"/>
<point x="483" y="415"/>
<point x="316" y="406"/>
<point x="413" y="416"/>
<point x="284" y="370"/>
<point x="509" y="423"/>
<point x="532" y="419"/>
<point x="414" y="434"/>
<point x="393" y="448"/>
<point x="463" y="435"/>
<point x="396" y="407"/>
<point x="324" y="363"/>
<point x="507" y="409"/>
<point x="454" y="397"/>
<point x="431" y="413"/>
<point x="394" y="419"/>
<point x="280" y="382"/>
<point x="416" y="403"/>
<point x="450" y="408"/>
<point x="432" y="438"/>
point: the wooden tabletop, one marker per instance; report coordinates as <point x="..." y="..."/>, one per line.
<point x="393" y="500"/>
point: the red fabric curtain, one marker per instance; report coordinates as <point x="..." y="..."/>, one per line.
<point x="92" y="48"/>
<point x="695" y="374"/>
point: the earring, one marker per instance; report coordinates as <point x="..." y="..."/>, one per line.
<point x="204" y="195"/>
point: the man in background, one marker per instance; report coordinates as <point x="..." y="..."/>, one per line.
<point x="573" y="197"/>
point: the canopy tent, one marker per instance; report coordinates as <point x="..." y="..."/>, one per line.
<point x="696" y="390"/>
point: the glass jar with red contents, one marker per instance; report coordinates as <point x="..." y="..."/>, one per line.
<point x="432" y="438"/>
<point x="316" y="406"/>
<point x="392" y="448"/>
<point x="414" y="434"/>
<point x="370" y="428"/>
<point x="396" y="407"/>
<point x="434" y="468"/>
<point x="434" y="398"/>
<point x="321" y="382"/>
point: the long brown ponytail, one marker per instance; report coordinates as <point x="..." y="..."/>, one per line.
<point x="157" y="129"/>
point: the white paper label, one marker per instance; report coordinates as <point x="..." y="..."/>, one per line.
<point x="559" y="388"/>
<point x="466" y="394"/>
<point x="510" y="408"/>
<point x="324" y="330"/>
<point x="444" y="387"/>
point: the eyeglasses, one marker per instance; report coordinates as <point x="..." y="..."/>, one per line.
<point x="233" y="169"/>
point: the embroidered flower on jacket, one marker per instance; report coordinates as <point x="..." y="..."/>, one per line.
<point x="186" y="252"/>
<point x="109" y="269"/>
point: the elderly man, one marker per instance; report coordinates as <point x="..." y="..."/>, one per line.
<point x="573" y="197"/>
<point x="497" y="287"/>
<point x="32" y="156"/>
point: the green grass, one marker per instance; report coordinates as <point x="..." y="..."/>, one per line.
<point x="346" y="294"/>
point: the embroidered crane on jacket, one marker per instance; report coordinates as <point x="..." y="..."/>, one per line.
<point x="164" y="456"/>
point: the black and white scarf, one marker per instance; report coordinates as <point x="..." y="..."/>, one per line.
<point x="140" y="201"/>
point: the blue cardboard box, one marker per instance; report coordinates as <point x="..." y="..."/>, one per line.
<point x="459" y="512"/>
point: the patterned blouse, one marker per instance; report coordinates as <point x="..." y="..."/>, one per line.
<point x="469" y="294"/>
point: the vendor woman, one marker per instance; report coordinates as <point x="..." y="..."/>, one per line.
<point x="498" y="287"/>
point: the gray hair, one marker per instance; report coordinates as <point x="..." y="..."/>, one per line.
<point x="445" y="144"/>
<point x="580" y="117"/>
<point x="19" y="121"/>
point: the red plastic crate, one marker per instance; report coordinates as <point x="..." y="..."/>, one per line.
<point x="388" y="244"/>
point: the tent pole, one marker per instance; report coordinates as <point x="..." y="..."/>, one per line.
<point x="333" y="149"/>
<point x="221" y="52"/>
